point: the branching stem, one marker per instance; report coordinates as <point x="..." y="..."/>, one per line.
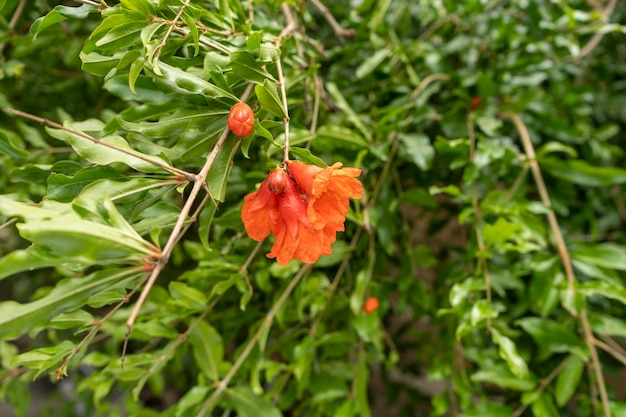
<point x="563" y="253"/>
<point x="54" y="125"/>
<point x="265" y="325"/>
<point x="199" y="183"/>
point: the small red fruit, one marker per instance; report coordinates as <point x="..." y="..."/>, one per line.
<point x="276" y="181"/>
<point x="370" y="305"/>
<point x="475" y="102"/>
<point x="241" y="119"/>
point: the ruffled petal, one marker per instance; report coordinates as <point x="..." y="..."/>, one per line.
<point x="260" y="213"/>
<point x="304" y="210"/>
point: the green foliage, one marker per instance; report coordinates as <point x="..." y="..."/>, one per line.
<point x="491" y="140"/>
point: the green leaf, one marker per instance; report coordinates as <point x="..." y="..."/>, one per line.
<point x="605" y="289"/>
<point x="68" y="295"/>
<point x="28" y="259"/>
<point x="44" y="358"/>
<point x="208" y="349"/>
<point x="568" y="379"/>
<point x="103" y="155"/>
<point x="418" y="148"/>
<point x="177" y="81"/>
<point x="344" y="106"/>
<point x="244" y="64"/>
<point x="248" y="404"/>
<point x="502" y="377"/>
<point x="65" y="234"/>
<point x="189" y="297"/>
<point x="544" y="407"/>
<point x="607" y="255"/>
<point x="64" y="188"/>
<point x="581" y="173"/>
<point x="509" y="353"/>
<point x="268" y="97"/>
<point x="605" y="325"/>
<point x="549" y="334"/>
<point x="9" y="149"/>
<point x="342" y="134"/>
<point x="218" y="175"/>
<point x="192" y="397"/>
<point x="306" y="156"/>
<point x="76" y="318"/>
<point x="372" y="62"/>
<point x="59" y="14"/>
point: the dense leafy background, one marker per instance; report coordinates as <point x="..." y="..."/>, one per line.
<point x="478" y="316"/>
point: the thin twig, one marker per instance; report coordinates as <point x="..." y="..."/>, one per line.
<point x="339" y="31"/>
<point x="478" y="214"/>
<point x="98" y="324"/>
<point x="91" y="3"/>
<point x="617" y="355"/>
<point x="83" y="135"/>
<point x="170" y="29"/>
<point x="289" y="28"/>
<point x="426" y="81"/>
<point x="7" y="223"/>
<point x="436" y="25"/>
<point x="333" y="286"/>
<point x="563" y="252"/>
<point x="266" y="324"/>
<point x="198" y="184"/>
<point x="542" y="386"/>
<point x="597" y="37"/>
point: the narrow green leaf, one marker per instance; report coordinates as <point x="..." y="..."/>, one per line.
<point x="568" y="379"/>
<point x="372" y="62"/>
<point x="134" y="72"/>
<point x="64" y="188"/>
<point x="104" y="155"/>
<point x="544" y="407"/>
<point x="59" y="14"/>
<point x="549" y="334"/>
<point x="581" y="173"/>
<point x="192" y="397"/>
<point x="509" y="353"/>
<point x="8" y="148"/>
<point x="503" y="377"/>
<point x="244" y="65"/>
<point x="306" y="156"/>
<point x="208" y="349"/>
<point x="189" y="297"/>
<point x="68" y="295"/>
<point x="612" y="291"/>
<point x="177" y="81"/>
<point x="28" y="259"/>
<point x="607" y="255"/>
<point x="340" y="133"/>
<point x="218" y="175"/>
<point x="268" y="97"/>
<point x="344" y="106"/>
<point x="248" y="404"/>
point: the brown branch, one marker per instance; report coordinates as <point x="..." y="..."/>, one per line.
<point x="426" y="82"/>
<point x="613" y="352"/>
<point x="170" y="29"/>
<point x="563" y="252"/>
<point x="542" y="386"/>
<point x="265" y="325"/>
<point x="46" y="122"/>
<point x="597" y="37"/>
<point x="339" y="31"/>
<point x="198" y="184"/>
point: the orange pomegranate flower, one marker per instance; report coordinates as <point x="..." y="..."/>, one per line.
<point x="303" y="207"/>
